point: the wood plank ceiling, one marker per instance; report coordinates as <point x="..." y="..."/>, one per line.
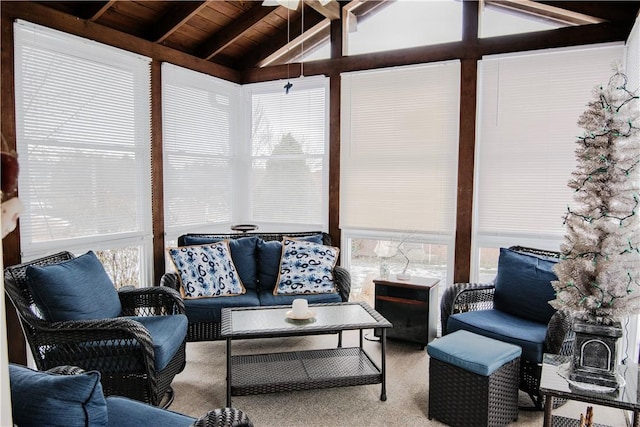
<point x="244" y="35"/>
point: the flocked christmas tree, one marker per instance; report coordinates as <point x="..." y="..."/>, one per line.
<point x="599" y="269"/>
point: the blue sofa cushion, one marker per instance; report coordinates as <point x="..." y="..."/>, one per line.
<point x="472" y="352"/>
<point x="124" y="412"/>
<point x="269" y="254"/>
<point x="209" y="309"/>
<point x="527" y="334"/>
<point x="523" y="285"/>
<point x="315" y="238"/>
<point x="78" y="289"/>
<point x="206" y="270"/>
<point x="243" y="254"/>
<point x="268" y="298"/>
<point x="306" y="268"/>
<point x="168" y="334"/>
<point x="45" y="399"/>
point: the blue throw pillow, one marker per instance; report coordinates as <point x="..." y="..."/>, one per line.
<point x="523" y="285"/>
<point x="243" y="254"/>
<point x="46" y="399"/>
<point x="306" y="268"/>
<point x="315" y="238"/>
<point x="206" y="270"/>
<point x="78" y="289"/>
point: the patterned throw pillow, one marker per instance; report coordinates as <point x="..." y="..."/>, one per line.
<point x="206" y="270"/>
<point x="306" y="268"/>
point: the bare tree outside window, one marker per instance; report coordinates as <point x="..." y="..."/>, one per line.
<point x="122" y="265"/>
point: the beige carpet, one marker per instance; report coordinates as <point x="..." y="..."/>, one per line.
<point x="201" y="387"/>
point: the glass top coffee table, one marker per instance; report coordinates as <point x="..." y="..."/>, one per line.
<point x="302" y="370"/>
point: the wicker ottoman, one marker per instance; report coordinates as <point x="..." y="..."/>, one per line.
<point x="473" y="380"/>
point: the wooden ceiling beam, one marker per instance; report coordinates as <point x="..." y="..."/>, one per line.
<point x="305" y="43"/>
<point x="604" y="32"/>
<point x="217" y="42"/>
<point x="608" y="10"/>
<point x="545" y="11"/>
<point x="43" y="15"/>
<point x="92" y="11"/>
<point x="280" y="40"/>
<point x="330" y="10"/>
<point x="177" y="16"/>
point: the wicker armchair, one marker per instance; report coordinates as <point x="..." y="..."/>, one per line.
<point x="469" y="297"/>
<point x="120" y="348"/>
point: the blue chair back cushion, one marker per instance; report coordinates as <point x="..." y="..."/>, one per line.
<point x="167" y="332"/>
<point x="124" y="412"/>
<point x="78" y="289"/>
<point x="46" y="399"/>
<point x="527" y="334"/>
<point x="243" y="254"/>
<point x="523" y="285"/>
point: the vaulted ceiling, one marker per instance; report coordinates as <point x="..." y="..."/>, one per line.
<point x="242" y="35"/>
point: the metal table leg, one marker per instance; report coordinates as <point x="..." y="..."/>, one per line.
<point x="383" y="340"/>
<point x="229" y="372"/>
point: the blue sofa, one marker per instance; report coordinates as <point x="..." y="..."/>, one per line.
<point x="68" y="396"/>
<point x="257" y="259"/>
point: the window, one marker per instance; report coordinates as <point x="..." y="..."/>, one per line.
<point x="527" y="128"/>
<point x="403" y="24"/>
<point x="83" y="121"/>
<point x="200" y="122"/>
<point x="287" y="166"/>
<point x="399" y="153"/>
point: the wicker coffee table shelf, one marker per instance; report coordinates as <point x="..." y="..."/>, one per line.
<point x="302" y="370"/>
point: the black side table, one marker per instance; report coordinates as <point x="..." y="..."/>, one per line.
<point x="553" y="384"/>
<point x="410" y="305"/>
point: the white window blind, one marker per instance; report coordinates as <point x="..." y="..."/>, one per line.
<point x="83" y="139"/>
<point x="199" y="124"/>
<point x="400" y="148"/>
<point x="289" y="153"/>
<point x="529" y="107"/>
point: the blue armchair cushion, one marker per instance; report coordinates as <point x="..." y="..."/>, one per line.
<point x="243" y="254"/>
<point x="124" y="412"/>
<point x="523" y="285"/>
<point x="527" y="334"/>
<point x="41" y="398"/>
<point x="474" y="353"/>
<point x="208" y="310"/>
<point x="167" y="332"/>
<point x="306" y="268"/>
<point x="78" y="289"/>
<point x="206" y="270"/>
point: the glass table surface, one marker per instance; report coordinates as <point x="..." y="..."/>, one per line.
<point x="555" y="383"/>
<point x="241" y="321"/>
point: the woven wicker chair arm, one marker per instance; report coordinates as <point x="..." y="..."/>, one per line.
<point x="154" y="301"/>
<point x="223" y="417"/>
<point x="96" y="331"/>
<point x="463" y="297"/>
<point x="560" y="335"/>
<point x="66" y="370"/>
<point x="170" y="280"/>
<point x="342" y="279"/>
